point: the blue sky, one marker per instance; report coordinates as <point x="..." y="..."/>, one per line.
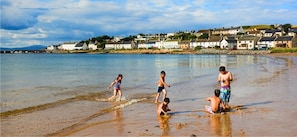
<point x="46" y="22"/>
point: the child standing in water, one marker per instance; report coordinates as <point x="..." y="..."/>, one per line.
<point x="163" y="108"/>
<point x="215" y="103"/>
<point x="116" y="87"/>
<point x="161" y="86"/>
<point x="225" y="78"/>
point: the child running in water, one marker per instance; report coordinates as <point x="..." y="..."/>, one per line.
<point x="163" y="108"/>
<point x="161" y="86"/>
<point x="215" y="103"/>
<point x="116" y="87"/>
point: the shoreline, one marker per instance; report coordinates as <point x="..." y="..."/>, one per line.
<point x="263" y="113"/>
<point x="180" y="51"/>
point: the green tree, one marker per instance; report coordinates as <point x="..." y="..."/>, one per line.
<point x="129" y="38"/>
<point x="286" y="27"/>
<point x="204" y="36"/>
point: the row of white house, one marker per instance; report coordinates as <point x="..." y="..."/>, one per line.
<point x="73" y="46"/>
<point x="146" y="45"/>
<point x="242" y="42"/>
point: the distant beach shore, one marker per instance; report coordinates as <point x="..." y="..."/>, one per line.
<point x="182" y="51"/>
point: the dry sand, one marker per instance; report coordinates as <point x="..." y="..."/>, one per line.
<point x="268" y="108"/>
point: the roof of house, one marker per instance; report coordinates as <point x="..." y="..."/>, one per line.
<point x="284" y="38"/>
<point x="245" y="38"/>
<point x="254" y="32"/>
<point x="214" y="39"/>
<point x="203" y="31"/>
<point x="293" y="30"/>
<point x="201" y="40"/>
<point x="151" y="42"/>
<point x="231" y="40"/>
<point x="80" y="44"/>
<point x="272" y="31"/>
<point x="267" y="39"/>
<point x="223" y="29"/>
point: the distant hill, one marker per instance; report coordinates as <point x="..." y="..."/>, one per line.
<point x="33" y="47"/>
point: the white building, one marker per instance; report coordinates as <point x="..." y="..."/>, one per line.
<point x="51" y="47"/>
<point x="247" y="42"/>
<point x="67" y="46"/>
<point x="146" y="45"/>
<point x="228" y="43"/>
<point x="124" y="45"/>
<point x="92" y="46"/>
<point x="267" y="42"/>
<point x="170" y="44"/>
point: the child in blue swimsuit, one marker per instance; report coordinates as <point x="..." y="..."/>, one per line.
<point x="116" y="87"/>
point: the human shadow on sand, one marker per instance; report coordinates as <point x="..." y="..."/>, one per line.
<point x="257" y="103"/>
<point x="246" y="106"/>
<point x="187" y="99"/>
<point x="179" y="112"/>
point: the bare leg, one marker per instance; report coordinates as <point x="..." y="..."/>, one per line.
<point x="114" y="95"/>
<point x="120" y="93"/>
<point x="157" y="97"/>
<point x="164" y="94"/>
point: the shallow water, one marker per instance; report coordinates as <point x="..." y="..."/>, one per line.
<point x="68" y="85"/>
<point x="34" y="79"/>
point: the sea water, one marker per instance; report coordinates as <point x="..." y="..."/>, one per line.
<point x="33" y="79"/>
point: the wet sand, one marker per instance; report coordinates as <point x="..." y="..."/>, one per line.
<point x="266" y="107"/>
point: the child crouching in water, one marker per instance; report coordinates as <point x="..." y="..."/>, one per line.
<point x="215" y="103"/>
<point x="163" y="108"/>
<point x="116" y="87"/>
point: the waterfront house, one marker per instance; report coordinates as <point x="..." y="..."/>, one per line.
<point x="146" y="45"/>
<point x="214" y="41"/>
<point x="81" y="46"/>
<point x="119" y="45"/>
<point x="265" y="42"/>
<point x="92" y="46"/>
<point x="52" y="47"/>
<point x="184" y="45"/>
<point x="228" y="42"/>
<point x="202" y="43"/>
<point x="247" y="42"/>
<point x="67" y="46"/>
<point x="171" y="44"/>
<point x="142" y="45"/>
<point x="193" y="44"/>
<point x="285" y="42"/>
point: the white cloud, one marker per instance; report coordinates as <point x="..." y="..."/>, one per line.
<point x="47" y="21"/>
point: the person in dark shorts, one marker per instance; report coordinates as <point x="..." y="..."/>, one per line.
<point x="161" y="86"/>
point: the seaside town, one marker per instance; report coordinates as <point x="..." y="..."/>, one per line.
<point x="257" y="37"/>
<point x="247" y="38"/>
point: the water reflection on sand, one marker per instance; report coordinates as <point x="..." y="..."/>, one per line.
<point x="221" y="124"/>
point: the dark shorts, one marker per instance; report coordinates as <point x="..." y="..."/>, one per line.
<point x="225" y="94"/>
<point x="160" y="89"/>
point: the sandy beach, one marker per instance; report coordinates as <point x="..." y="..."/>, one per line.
<point x="264" y="107"/>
